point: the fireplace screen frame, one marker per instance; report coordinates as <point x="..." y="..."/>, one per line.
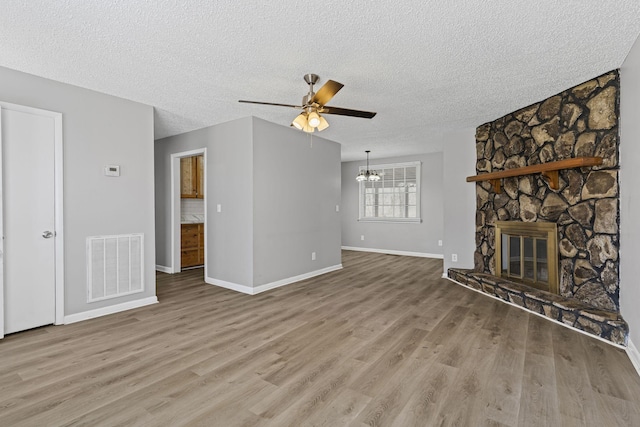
<point x="539" y="230"/>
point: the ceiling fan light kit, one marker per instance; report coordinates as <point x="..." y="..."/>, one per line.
<point x="323" y="124"/>
<point x="314" y="119"/>
<point x="315" y="103"/>
<point x="300" y="121"/>
<point x="368" y="175"/>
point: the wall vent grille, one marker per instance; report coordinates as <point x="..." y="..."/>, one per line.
<point x="114" y="266"/>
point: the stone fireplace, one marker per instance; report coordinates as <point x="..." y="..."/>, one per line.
<point x="581" y="206"/>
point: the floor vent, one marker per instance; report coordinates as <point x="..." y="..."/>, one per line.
<point x="114" y="266"/>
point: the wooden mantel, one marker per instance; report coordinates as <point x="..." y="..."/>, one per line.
<point x="548" y="170"/>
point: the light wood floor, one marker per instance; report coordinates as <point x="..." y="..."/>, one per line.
<point x="384" y="342"/>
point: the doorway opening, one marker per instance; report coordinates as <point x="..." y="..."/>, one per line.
<point x="188" y="210"/>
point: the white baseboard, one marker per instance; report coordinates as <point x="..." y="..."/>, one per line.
<point x="164" y="269"/>
<point x="539" y="315"/>
<point x="99" y="312"/>
<point x="294" y="279"/>
<point x="229" y="285"/>
<point x="393" y="252"/>
<point x="262" y="288"/>
<point x="445" y="276"/>
<point x="634" y="355"/>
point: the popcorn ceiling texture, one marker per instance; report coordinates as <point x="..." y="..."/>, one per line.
<point x="425" y="67"/>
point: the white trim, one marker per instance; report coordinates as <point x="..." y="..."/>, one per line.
<point x="294" y="279"/>
<point x="262" y="288"/>
<point x="392" y="165"/>
<point x="176" y="266"/>
<point x="58" y="210"/>
<point x="392" y="221"/>
<point x="634" y="355"/>
<point x="229" y="285"/>
<point x="1" y="237"/>
<point x="539" y="315"/>
<point x="394" y="252"/>
<point x="444" y="276"/>
<point x="59" y="222"/>
<point x="112" y="309"/>
<point x="164" y="269"/>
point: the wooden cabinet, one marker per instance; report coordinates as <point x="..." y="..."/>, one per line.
<point x="192" y="245"/>
<point x="192" y="177"/>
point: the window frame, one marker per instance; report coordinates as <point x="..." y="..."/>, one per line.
<point x="381" y="167"/>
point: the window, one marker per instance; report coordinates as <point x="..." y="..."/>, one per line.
<point x="395" y="197"/>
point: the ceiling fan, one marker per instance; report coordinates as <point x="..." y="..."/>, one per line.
<point x="315" y="103"/>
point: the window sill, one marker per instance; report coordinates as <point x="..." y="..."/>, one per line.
<point x="392" y="220"/>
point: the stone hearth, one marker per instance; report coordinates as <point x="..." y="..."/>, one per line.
<point x="605" y="324"/>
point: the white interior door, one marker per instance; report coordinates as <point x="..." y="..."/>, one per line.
<point x="28" y="216"/>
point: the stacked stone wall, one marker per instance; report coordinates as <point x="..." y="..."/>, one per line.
<point x="581" y="121"/>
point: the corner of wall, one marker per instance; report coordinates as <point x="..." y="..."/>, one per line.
<point x="629" y="191"/>
<point x="459" y="198"/>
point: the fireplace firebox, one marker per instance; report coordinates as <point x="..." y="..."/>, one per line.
<point x="527" y="252"/>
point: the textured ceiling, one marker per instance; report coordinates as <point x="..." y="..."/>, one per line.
<point x="424" y="66"/>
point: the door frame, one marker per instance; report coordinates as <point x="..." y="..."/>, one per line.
<point x="58" y="211"/>
<point x="176" y="266"/>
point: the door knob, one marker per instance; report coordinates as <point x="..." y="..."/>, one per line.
<point x="47" y="234"/>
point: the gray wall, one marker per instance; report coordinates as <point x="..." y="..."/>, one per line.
<point x="278" y="195"/>
<point x="296" y="190"/>
<point x="98" y="129"/>
<point x="459" y="198"/>
<point x="410" y="237"/>
<point x="630" y="191"/>
<point x="229" y="183"/>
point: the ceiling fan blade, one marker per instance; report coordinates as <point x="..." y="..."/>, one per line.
<point x="326" y="92"/>
<point x="270" y="103"/>
<point x="347" y="112"/>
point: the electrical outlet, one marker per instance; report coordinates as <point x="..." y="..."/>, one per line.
<point x="454" y="257"/>
<point x="313" y="256"/>
<point x="439" y="242"/>
<point x="362" y="237"/>
<point x="219" y="207"/>
<point x="337" y="208"/>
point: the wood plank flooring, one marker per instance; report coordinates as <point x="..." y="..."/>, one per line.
<point x="384" y="342"/>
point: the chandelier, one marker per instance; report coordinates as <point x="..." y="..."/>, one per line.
<point x="368" y="175"/>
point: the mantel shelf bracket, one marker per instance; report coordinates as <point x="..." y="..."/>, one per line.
<point x="549" y="171"/>
<point x="552" y="178"/>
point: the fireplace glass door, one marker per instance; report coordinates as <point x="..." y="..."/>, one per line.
<point x="525" y="258"/>
<point x="527" y="253"/>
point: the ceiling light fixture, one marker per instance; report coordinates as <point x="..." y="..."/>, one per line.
<point x="314" y="103"/>
<point x="323" y="124"/>
<point x="314" y="119"/>
<point x="309" y="121"/>
<point x="368" y="175"/>
<point x="300" y="121"/>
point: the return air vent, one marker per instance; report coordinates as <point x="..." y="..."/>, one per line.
<point x="114" y="266"/>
